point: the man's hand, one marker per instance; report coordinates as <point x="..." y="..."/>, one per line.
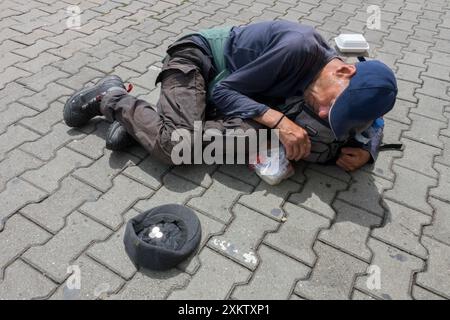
<point x="351" y="159"/>
<point x="293" y="137"/>
<point x="295" y="140"/>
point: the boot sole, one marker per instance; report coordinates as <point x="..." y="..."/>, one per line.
<point x="83" y="96"/>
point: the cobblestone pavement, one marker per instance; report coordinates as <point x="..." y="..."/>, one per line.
<point x="323" y="234"/>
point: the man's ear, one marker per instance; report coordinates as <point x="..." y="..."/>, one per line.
<point x="346" y="71"/>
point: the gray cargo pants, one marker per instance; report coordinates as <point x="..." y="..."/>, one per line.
<point x="184" y="79"/>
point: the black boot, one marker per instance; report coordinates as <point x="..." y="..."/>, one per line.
<point x="84" y="104"/>
<point x="117" y="138"/>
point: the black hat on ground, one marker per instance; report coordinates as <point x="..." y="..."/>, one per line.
<point x="162" y="237"/>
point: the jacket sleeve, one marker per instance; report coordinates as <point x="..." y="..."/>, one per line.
<point x="232" y="96"/>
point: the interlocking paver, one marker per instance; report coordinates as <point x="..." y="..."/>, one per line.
<point x="411" y="189"/>
<point x="111" y="206"/>
<point x="440" y="228"/>
<point x="402" y="228"/>
<point x="22" y="282"/>
<point x="365" y="192"/>
<point x="242" y="236"/>
<point x="49" y="175"/>
<point x="52" y="212"/>
<point x="274" y="278"/>
<point x="17" y="194"/>
<point x="441" y="190"/>
<point x="395" y="269"/>
<point x="43" y="99"/>
<point x="76" y="235"/>
<point x="297" y="234"/>
<point x="332" y="276"/>
<point x="218" y="199"/>
<point x="97" y="282"/>
<point x="318" y="193"/>
<point x="175" y="190"/>
<point x="419" y="157"/>
<point x="12" y="113"/>
<point x="101" y="173"/>
<point x="15" y="163"/>
<point x="111" y="252"/>
<point x="425" y="130"/>
<point x="13" y="246"/>
<point x="216" y="269"/>
<point x="350" y="230"/>
<point x="420" y="293"/>
<point x="44" y="148"/>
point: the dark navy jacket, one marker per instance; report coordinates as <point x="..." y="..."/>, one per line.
<point x="269" y="61"/>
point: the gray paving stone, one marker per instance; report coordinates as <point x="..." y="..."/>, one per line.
<point x="111" y="252"/>
<point x="430" y="107"/>
<point x="365" y="192"/>
<point x="297" y="234"/>
<point x="350" y="230"/>
<point x="400" y="111"/>
<point x="220" y="196"/>
<point x="406" y="90"/>
<point x="101" y="173"/>
<point x="96" y="282"/>
<point x="332" y="276"/>
<point x="15" y="163"/>
<point x="358" y="295"/>
<point x="75" y="63"/>
<point x="42" y="100"/>
<point x="210" y="227"/>
<point x="80" y="79"/>
<point x="414" y="59"/>
<point x="268" y="199"/>
<point x="49" y="175"/>
<point x="241" y="172"/>
<point x="13" y="113"/>
<point x="273" y="279"/>
<point x="318" y="193"/>
<point x="149" y="172"/>
<point x="332" y="171"/>
<point x="411" y="189"/>
<point x="14" y="136"/>
<point x="17" y="194"/>
<point x="243" y="236"/>
<point x="420" y="293"/>
<point x="409" y="73"/>
<point x="440" y="228"/>
<point x="142" y="63"/>
<point x="435" y="88"/>
<point x="199" y="174"/>
<point x="441" y="191"/>
<point x="13" y="246"/>
<point x="174" y="190"/>
<point x="93" y="144"/>
<point x="419" y="157"/>
<point x="52" y="212"/>
<point x="76" y="235"/>
<point x="39" y="80"/>
<point x="444" y="159"/>
<point x="152" y="285"/>
<point x="45" y="147"/>
<point x="111" y="206"/>
<point x="395" y="270"/>
<point x="425" y="130"/>
<point x="22" y="282"/>
<point x="44" y="121"/>
<point x="216" y="269"/>
<point x="36" y="49"/>
<point x="12" y="92"/>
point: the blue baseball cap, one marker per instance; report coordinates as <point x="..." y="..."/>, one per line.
<point x="370" y="94"/>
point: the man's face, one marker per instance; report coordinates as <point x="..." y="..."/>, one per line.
<point x="331" y="82"/>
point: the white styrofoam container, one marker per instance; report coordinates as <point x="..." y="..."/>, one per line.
<point x="351" y="42"/>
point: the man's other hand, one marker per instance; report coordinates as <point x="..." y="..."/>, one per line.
<point x="293" y="137"/>
<point x="295" y="140"/>
<point x="351" y="159"/>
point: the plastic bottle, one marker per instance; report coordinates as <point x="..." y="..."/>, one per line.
<point x="275" y="167"/>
